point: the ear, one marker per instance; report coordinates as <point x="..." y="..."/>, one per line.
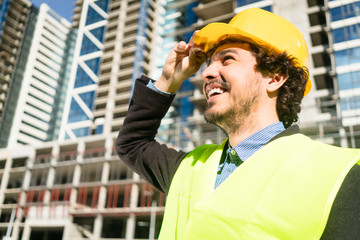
<point x="275" y="83"/>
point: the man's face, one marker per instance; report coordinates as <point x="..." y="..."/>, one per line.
<point x="232" y="86"/>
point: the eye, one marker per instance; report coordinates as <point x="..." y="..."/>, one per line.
<point x="227" y="58"/>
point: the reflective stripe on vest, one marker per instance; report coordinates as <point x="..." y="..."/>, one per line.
<point x="284" y="191"/>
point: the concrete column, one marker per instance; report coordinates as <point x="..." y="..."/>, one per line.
<point x="67" y="230"/>
<point x="131" y="221"/>
<point x="76" y="182"/>
<point x="80" y="150"/>
<point x="98" y="223"/>
<point x="16" y="229"/>
<point x="134" y="192"/>
<point x="73" y="197"/>
<point x="343" y="139"/>
<point x="105" y="173"/>
<point x="22" y="201"/>
<point x="5" y="177"/>
<point x="26" y="232"/>
<point x="50" y="178"/>
<point x="109" y="143"/>
<point x="130" y="227"/>
<point x="55" y="153"/>
<point x="102" y="198"/>
<point x="104" y="181"/>
<point x="77" y="174"/>
<point x="49" y="185"/>
<point x="47" y="197"/>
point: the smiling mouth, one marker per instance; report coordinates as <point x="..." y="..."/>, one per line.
<point x="214" y="89"/>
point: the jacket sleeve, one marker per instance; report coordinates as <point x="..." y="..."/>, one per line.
<point x="136" y="144"/>
<point x="344" y="218"/>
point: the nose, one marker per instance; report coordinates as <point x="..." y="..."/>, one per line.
<point x="210" y="72"/>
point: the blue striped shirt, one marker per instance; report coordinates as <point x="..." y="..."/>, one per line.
<point x="245" y="149"/>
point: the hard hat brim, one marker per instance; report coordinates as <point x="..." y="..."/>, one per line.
<point x="209" y="36"/>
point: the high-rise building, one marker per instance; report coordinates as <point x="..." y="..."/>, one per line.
<point x="131" y="41"/>
<point x="335" y="41"/>
<point x="116" y="43"/>
<point x="14" y="16"/>
<point x="40" y="81"/>
<point x="90" y="20"/>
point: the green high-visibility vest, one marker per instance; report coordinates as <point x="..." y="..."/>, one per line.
<point x="283" y="191"/>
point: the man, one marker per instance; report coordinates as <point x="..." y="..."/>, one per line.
<point x="266" y="181"/>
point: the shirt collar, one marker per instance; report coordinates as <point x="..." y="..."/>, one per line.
<point x="257" y="140"/>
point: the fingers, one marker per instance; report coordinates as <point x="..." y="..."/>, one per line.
<point x="181" y="47"/>
<point x="192" y="42"/>
<point x="196" y="54"/>
<point x="196" y="57"/>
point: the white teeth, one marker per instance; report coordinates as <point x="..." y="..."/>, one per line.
<point x="215" y="90"/>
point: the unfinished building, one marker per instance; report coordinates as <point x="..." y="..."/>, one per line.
<point x="75" y="190"/>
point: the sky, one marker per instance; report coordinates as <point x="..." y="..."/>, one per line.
<point x="62" y="7"/>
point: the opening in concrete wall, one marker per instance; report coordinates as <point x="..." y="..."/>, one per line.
<point x="144" y="224"/>
<point x="114" y="227"/>
<point x="84" y="225"/>
<point x="46" y="233"/>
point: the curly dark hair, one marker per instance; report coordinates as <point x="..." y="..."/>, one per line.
<point x="269" y="62"/>
<point x="292" y="91"/>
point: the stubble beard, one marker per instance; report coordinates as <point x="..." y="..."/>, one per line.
<point x="235" y="119"/>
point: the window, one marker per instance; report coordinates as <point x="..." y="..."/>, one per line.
<point x="347" y="56"/>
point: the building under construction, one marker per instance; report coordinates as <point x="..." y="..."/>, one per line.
<point x="76" y="190"/>
<point x="77" y="187"/>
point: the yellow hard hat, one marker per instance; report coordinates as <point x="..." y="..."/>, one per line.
<point x="262" y="28"/>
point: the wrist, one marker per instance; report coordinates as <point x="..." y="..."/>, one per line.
<point x="166" y="84"/>
<point x="153" y="87"/>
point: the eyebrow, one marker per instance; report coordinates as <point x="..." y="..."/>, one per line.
<point x="220" y="54"/>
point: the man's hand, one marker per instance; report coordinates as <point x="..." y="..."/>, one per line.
<point x="183" y="61"/>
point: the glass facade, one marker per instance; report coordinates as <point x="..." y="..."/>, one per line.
<point x="140" y="41"/>
<point x="345" y="32"/>
<point x="241" y="3"/>
<point x="98" y="33"/>
<point x="350" y="103"/>
<point x="347" y="56"/>
<point x="93" y="16"/>
<point x="81" y="132"/>
<point x="103" y="4"/>
<point x="82" y="102"/>
<point x="345" y="11"/>
<point x="177" y="19"/>
<point x="88" y="46"/>
<point x="187" y="107"/>
<point x="77" y="113"/>
<point x="349" y="80"/>
<point x="246" y="2"/>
